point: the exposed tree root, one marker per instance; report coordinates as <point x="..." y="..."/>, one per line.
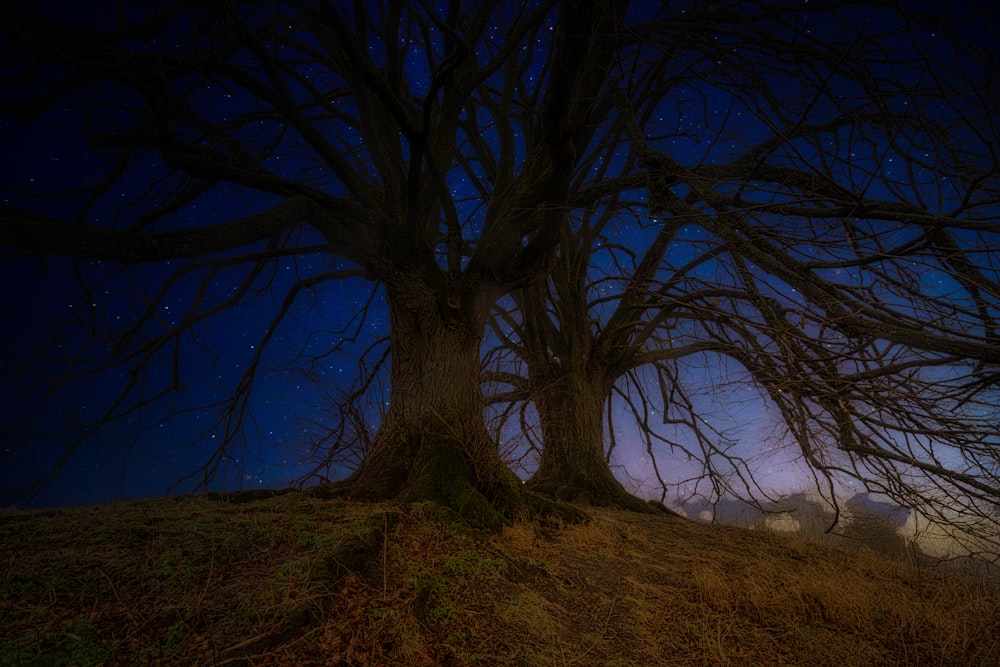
<point x="605" y="491"/>
<point x="443" y="476"/>
<point x="356" y="553"/>
<point x="440" y="480"/>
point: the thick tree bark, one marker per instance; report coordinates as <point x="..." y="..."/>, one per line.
<point x="432" y="443"/>
<point x="573" y="466"/>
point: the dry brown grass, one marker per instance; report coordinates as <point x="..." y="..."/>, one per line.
<point x="190" y="581"/>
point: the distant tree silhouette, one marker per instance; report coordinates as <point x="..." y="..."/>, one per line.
<point x="876" y="525"/>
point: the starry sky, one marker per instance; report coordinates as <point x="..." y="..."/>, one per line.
<point x="61" y="317"/>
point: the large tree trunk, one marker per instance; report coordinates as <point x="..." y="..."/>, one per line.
<point x="573" y="465"/>
<point x="432" y="443"/>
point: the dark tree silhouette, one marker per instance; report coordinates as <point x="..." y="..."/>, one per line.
<point x="353" y="130"/>
<point x="837" y="166"/>
<point x="826" y="231"/>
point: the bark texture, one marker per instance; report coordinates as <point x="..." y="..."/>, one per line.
<point x="573" y="466"/>
<point x="432" y="444"/>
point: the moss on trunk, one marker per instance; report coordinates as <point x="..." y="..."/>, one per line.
<point x="432" y="443"/>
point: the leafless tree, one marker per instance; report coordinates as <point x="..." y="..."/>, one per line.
<point x="380" y="111"/>
<point x="825" y="230"/>
<point x="445" y="153"/>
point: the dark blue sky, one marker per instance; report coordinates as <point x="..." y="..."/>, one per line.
<point x="60" y="316"/>
<point x="135" y="456"/>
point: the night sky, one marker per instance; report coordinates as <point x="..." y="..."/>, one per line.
<point x="60" y="316"/>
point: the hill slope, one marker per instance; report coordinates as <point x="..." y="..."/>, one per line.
<point x="295" y="579"/>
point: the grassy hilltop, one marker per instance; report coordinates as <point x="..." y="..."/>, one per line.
<point x="294" y="579"/>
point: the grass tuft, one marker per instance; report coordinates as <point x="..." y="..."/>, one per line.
<point x="268" y="581"/>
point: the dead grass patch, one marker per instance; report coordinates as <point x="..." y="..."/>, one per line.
<point x="187" y="581"/>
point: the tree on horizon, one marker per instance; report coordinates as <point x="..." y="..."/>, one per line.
<point x="381" y="111"/>
<point x="460" y="157"/>
<point x="833" y="246"/>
